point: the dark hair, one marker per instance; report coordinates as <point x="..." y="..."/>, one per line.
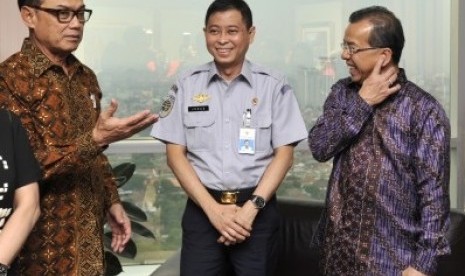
<point x="22" y="3"/>
<point x="387" y="29"/>
<point x="224" y="5"/>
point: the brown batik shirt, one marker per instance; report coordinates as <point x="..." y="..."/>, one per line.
<point x="59" y="112"/>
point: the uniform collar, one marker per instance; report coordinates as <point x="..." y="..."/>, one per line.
<point x="246" y="72"/>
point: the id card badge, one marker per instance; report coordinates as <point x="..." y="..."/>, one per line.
<point x="247" y="141"/>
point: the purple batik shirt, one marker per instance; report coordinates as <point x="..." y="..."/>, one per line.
<point x="388" y="194"/>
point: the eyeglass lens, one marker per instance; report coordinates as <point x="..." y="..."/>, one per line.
<point x="67" y="15"/>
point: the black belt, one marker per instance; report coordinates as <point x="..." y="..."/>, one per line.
<point x="232" y="196"/>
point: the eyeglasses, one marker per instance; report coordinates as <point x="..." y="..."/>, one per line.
<point x="65" y="16"/>
<point x="353" y="50"/>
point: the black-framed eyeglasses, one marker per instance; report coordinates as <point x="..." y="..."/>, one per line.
<point x="65" y="16"/>
<point x="353" y="50"/>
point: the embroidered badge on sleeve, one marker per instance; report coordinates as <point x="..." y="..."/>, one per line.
<point x="167" y="106"/>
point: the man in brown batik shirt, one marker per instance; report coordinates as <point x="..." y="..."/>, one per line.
<point x="58" y="101"/>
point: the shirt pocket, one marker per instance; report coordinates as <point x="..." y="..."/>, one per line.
<point x="262" y="124"/>
<point x="200" y="131"/>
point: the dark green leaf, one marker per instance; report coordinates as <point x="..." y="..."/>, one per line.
<point x="141" y="230"/>
<point x="123" y="172"/>
<point x="134" y="212"/>
<point x="112" y="264"/>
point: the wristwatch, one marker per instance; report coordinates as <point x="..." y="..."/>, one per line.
<point x="258" y="201"/>
<point x="3" y="269"/>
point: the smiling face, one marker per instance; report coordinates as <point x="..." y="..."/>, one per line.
<point x="360" y="64"/>
<point x="54" y="38"/>
<point x="228" y="39"/>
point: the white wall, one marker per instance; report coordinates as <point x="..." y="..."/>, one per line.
<point x="12" y="30"/>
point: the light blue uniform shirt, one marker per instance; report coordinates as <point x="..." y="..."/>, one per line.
<point x="205" y="114"/>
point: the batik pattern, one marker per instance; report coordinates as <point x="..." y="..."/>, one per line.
<point x="388" y="194"/>
<point x="59" y="112"/>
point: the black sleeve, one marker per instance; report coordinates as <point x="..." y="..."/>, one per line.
<point x="27" y="167"/>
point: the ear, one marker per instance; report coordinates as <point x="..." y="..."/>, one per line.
<point x="28" y="15"/>
<point x="251" y="34"/>
<point x="387" y="53"/>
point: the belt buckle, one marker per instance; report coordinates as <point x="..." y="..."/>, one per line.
<point x="228" y="197"/>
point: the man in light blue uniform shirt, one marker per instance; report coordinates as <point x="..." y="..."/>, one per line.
<point x="230" y="128"/>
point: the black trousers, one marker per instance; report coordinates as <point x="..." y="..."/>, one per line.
<point x="201" y="255"/>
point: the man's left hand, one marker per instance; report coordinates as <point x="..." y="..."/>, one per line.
<point x="120" y="226"/>
<point x="244" y="217"/>
<point x="380" y="84"/>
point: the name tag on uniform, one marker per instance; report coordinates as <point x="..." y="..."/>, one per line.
<point x="197" y="108"/>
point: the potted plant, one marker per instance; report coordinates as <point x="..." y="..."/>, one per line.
<point x="122" y="173"/>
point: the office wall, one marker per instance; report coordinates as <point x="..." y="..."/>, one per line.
<point x="12" y="30"/>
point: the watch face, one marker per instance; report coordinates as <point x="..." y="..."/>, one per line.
<point x="258" y="201"/>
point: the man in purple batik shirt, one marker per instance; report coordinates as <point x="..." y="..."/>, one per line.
<point x="387" y="206"/>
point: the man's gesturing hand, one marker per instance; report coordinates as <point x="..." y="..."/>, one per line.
<point x="380" y="84"/>
<point x="110" y="129"/>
